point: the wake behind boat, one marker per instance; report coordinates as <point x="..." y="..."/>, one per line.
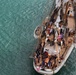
<point x="56" y="38"/>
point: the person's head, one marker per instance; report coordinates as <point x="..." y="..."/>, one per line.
<point x="60" y="23"/>
<point x="43" y="36"/>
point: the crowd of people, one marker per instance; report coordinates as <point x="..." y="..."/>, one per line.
<point x="51" y="35"/>
<point x="43" y="58"/>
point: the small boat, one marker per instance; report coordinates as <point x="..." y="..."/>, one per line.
<point x="57" y="38"/>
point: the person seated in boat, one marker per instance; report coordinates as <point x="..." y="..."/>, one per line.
<point x="40" y="48"/>
<point x="43" y="33"/>
<point x="48" y="28"/>
<point x="38" y="61"/>
<point x="60" y="33"/>
<point x="47" y="61"/>
<point x="43" y="64"/>
<point x="50" y="39"/>
<point x="43" y="37"/>
<point x="69" y="41"/>
<point x="35" y="58"/>
<point x="53" y="17"/>
<point x="60" y="28"/>
<point x="71" y="33"/>
<point x="59" y="39"/>
<point x="70" y="11"/>
<point x="47" y="34"/>
<point x="52" y="62"/>
<point x="45" y="54"/>
<point x="38" y="51"/>
<point x="52" y="31"/>
<point x="62" y="43"/>
<point x="61" y="24"/>
<point x="45" y="23"/>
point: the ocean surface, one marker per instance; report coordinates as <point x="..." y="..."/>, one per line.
<point x="18" y="19"/>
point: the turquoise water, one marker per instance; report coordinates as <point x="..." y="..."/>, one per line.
<point x="18" y="19"/>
